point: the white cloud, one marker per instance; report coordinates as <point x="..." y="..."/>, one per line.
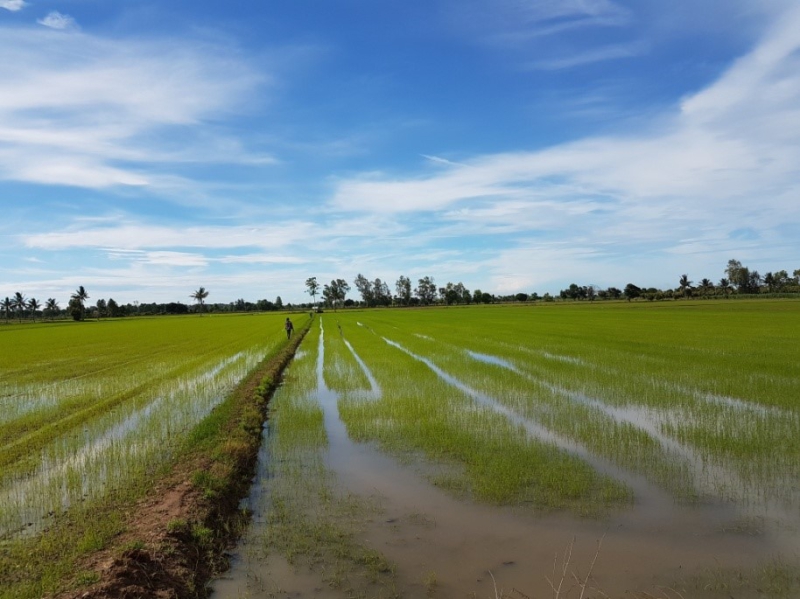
<point x="56" y="20"/>
<point x="13" y="5"/>
<point x="725" y="157"/>
<point x="153" y="237"/>
<point x="729" y="145"/>
<point x="92" y="112"/>
<point x="510" y="22"/>
<point x="592" y="56"/>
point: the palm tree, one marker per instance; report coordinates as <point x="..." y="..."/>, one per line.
<point x="51" y="307"/>
<point x="725" y="286"/>
<point x="199" y="296"/>
<point x="7" y="305"/>
<point x="19" y="304"/>
<point x="80" y="295"/>
<point x="685" y="285"/>
<point x="77" y="303"/>
<point x="706" y="285"/>
<point x="33" y="306"/>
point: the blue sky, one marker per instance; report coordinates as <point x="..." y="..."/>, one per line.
<point x="150" y="148"/>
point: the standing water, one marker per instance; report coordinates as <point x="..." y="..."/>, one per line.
<point x="444" y="546"/>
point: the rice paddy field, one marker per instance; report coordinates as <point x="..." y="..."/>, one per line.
<point x="569" y="450"/>
<point x="91" y="409"/>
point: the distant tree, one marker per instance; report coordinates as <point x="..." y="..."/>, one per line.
<point x="738" y="275"/>
<point x="781" y="280"/>
<point x="426" y="290"/>
<point x="34" y="306"/>
<point x="754" y="282"/>
<point x="477" y="296"/>
<point x="685" y="285"/>
<point x="614" y="293"/>
<point x="7" y="306"/>
<point x="706" y="286"/>
<point x="200" y="297"/>
<point x="769" y="281"/>
<point x="78" y="303"/>
<point x="631" y="291"/>
<point x="364" y="287"/>
<point x="101" y="308"/>
<point x="81" y="295"/>
<point x="335" y="293"/>
<point x="724" y="286"/>
<point x="113" y="308"/>
<point x="487" y="298"/>
<point x="381" y="295"/>
<point x="796" y="274"/>
<point x="521" y="297"/>
<point x="51" y="307"/>
<point x="19" y="304"/>
<point x="449" y="294"/>
<point x="403" y="289"/>
<point x="278" y="303"/>
<point x="265" y="305"/>
<point x="591" y="293"/>
<point x="311" y="288"/>
<point x="75" y="309"/>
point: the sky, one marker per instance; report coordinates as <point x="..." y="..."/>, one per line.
<point x="151" y="148"/>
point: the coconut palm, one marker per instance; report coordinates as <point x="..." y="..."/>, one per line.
<point x="51" y="307"/>
<point x="685" y="285"/>
<point x="19" y="304"/>
<point x="77" y="301"/>
<point x="725" y="286"/>
<point x="33" y="306"/>
<point x="80" y="296"/>
<point x="706" y="285"/>
<point x="7" y="305"/>
<point x="199" y="296"/>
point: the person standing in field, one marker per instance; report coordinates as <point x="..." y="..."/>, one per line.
<point x="289" y="328"/>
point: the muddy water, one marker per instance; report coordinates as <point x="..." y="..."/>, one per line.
<point x="447" y="547"/>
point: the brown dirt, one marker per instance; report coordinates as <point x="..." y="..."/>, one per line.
<point x="176" y="538"/>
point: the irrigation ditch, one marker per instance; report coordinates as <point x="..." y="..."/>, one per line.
<point x="175" y="540"/>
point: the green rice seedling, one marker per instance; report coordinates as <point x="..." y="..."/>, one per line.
<point x="341" y="370"/>
<point x="420" y="412"/>
<point x="683" y="394"/>
<point x="114" y="425"/>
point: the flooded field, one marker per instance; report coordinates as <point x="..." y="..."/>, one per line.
<point x="622" y="451"/>
<point x="89" y="410"/>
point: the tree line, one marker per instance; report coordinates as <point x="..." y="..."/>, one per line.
<point x="19" y="307"/>
<point x="377" y="293"/>
<point x="738" y="280"/>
